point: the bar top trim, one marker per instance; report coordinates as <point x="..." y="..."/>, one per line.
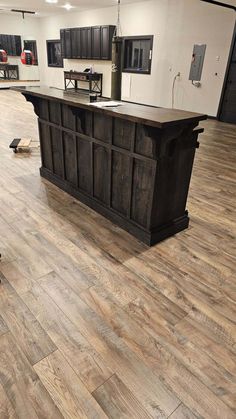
<point x="144" y="114"/>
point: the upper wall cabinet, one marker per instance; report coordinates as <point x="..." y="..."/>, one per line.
<point x="96" y="42"/>
<point x="75" y="43"/>
<point x="87" y="43"/>
<point x="106" y="41"/>
<point x="11" y="44"/>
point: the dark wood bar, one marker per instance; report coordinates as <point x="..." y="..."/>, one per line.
<point x="132" y="163"/>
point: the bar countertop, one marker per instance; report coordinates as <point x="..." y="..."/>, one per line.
<point x="153" y="116"/>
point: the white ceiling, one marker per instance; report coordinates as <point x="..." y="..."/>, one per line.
<point x="43" y="8"/>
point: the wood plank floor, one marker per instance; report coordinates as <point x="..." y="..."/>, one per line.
<point x="94" y="324"/>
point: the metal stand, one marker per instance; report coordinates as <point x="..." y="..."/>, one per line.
<point x="9" y="72"/>
<point x="71" y="79"/>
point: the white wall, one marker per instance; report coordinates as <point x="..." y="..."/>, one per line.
<point x="28" y="28"/>
<point x="176" y="26"/>
<point x="50" y="28"/>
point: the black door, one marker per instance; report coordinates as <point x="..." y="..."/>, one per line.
<point x="228" y="104"/>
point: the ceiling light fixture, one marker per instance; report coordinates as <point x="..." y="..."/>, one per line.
<point x="68" y="6"/>
<point x="51" y="1"/>
<point x="23" y="12"/>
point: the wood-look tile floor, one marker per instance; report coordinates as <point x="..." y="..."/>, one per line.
<point x="94" y="324"/>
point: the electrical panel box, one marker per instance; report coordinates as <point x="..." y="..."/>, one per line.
<point x="197" y="62"/>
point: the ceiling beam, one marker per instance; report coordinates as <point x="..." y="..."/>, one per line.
<point x="219" y="3"/>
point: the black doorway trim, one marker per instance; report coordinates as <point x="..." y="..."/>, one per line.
<point x="227" y="73"/>
<point x="218" y="3"/>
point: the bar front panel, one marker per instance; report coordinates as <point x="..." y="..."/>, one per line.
<point x="135" y="174"/>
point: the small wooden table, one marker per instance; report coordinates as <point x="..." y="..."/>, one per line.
<point x="9" y="72"/>
<point x="94" y="80"/>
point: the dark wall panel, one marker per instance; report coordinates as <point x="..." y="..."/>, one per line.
<point x="43" y="109"/>
<point x="85" y="169"/>
<point x="103" y="127"/>
<point x="57" y="149"/>
<point x="46" y="147"/>
<point x="70" y="158"/>
<point x="124" y="132"/>
<point x="120" y="182"/>
<point x="55" y="112"/>
<point x="142" y="191"/>
<point x="144" y="144"/>
<point x="101" y="173"/>
<point x="68" y="118"/>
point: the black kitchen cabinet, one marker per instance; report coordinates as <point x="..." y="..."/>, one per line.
<point x="62" y="38"/>
<point x="18" y="48"/>
<point x="106" y="41"/>
<point x="83" y="34"/>
<point x="11" y="44"/>
<point x="96" y="42"/>
<point x="68" y="43"/>
<point x="75" y="43"/>
<point x="87" y="43"/>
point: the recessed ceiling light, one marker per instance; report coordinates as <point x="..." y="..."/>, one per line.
<point x="68" y="6"/>
<point x="51" y="1"/>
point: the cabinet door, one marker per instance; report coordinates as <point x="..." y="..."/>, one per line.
<point x="4" y="43"/>
<point x="106" y="41"/>
<point x="9" y="45"/>
<point x="73" y="43"/>
<point x="18" y="45"/>
<point x="89" y="42"/>
<point x="96" y="42"/>
<point x="78" y="42"/>
<point x="83" y="34"/>
<point x="86" y="43"/>
<point x="13" y="43"/>
<point x="67" y="43"/>
<point x="62" y="36"/>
